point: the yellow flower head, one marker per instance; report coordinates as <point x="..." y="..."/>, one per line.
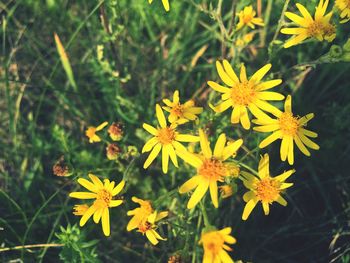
<point x="181" y="113"/>
<point x="318" y="27"/>
<point x="103" y="194"/>
<point x="116" y="131"/>
<point x="139" y="214"/>
<point x="244" y="94"/>
<point x="214" y="245"/>
<point x="80" y="210"/>
<point x="167" y="139"/>
<point x="344" y="7"/>
<point x="289" y="129"/>
<point x="226" y="191"/>
<point x="264" y="189"/>
<point x="165" y="4"/>
<point x="211" y="168"/>
<point x="247" y="17"/>
<point x="244" y="40"/>
<point x="149" y="227"/>
<point x="91" y="132"/>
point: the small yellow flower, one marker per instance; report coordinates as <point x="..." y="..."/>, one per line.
<point x="80" y="210"/>
<point x="344" y="7"/>
<point x="91" y="132"/>
<point x="264" y="189"/>
<point x="318" y="27"/>
<point x="165" y="4"/>
<point x="140" y="214"/>
<point x="103" y="194"/>
<point x="181" y="113"/>
<point x="211" y="168"/>
<point x="167" y="139"/>
<point x="289" y="129"/>
<point x="243" y="93"/>
<point x="244" y="40"/>
<point x="116" y="131"/>
<point x="226" y="191"/>
<point x="247" y="17"/>
<point x="214" y="245"/>
<point x="148" y="227"/>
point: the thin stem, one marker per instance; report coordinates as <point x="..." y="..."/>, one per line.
<point x="205" y="215"/>
<point x="30" y="246"/>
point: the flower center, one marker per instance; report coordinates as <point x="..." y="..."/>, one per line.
<point x="91" y="131"/>
<point x="213" y="242"/>
<point x="288" y="124"/>
<point x="247" y="18"/>
<point x="178" y="110"/>
<point x="166" y="135"/>
<point x="144" y="226"/>
<point x="103" y="199"/>
<point x="267" y="190"/>
<point x="213" y="169"/>
<point x="317" y="28"/>
<point x="243" y="93"/>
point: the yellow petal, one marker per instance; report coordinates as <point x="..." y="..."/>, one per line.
<point x="189" y="158"/>
<point x="87" y="215"/>
<point x="152" y="155"/>
<point x="176" y="97"/>
<point x="243" y="74"/>
<point x="115" y="203"/>
<point x="204" y="144"/>
<point x="221" y="107"/>
<point x="151" y="237"/>
<point x="270" y="139"/>
<point x="149" y="144"/>
<point x="248" y="196"/>
<point x="270" y="95"/>
<point x="116" y="190"/>
<point x="268" y="107"/>
<point x="245" y="118"/>
<point x="264" y="166"/>
<point x="83" y="195"/>
<point x="166" y="5"/>
<point x="95" y="180"/>
<point x="190" y="184"/>
<point x="295" y="18"/>
<point x="259" y="75"/>
<point x="248" y="209"/>
<point x="101" y="126"/>
<point x="288" y="104"/>
<point x="306" y="118"/>
<point x="304" y="11"/>
<point x="266" y="208"/>
<point x="215" y="86"/>
<point x="267" y="128"/>
<point x="160" y="116"/>
<point x="213" y="187"/>
<point x="172" y="154"/>
<point x="282" y="177"/>
<point x="105" y="222"/>
<point x="225" y="257"/>
<point x="293" y="31"/>
<point x="219" y="146"/>
<point x="88" y="185"/>
<point x="308" y="142"/>
<point x="186" y="138"/>
<point x="231" y="149"/>
<point x="259" y="114"/>
<point x="198" y="194"/>
<point x="229" y="70"/>
<point x="165" y="159"/>
<point x="295" y="40"/>
<point x="268" y="84"/>
<point x="301" y="146"/>
<point x="281" y="201"/>
<point x="284" y="147"/>
<point x="223" y="75"/>
<point x="97" y="215"/>
<point x="291" y="152"/>
<point x="150" y="129"/>
<point x="236" y="113"/>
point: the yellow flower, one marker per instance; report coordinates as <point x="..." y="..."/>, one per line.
<point x="318" y="27"/>
<point x="148" y="227"/>
<point x="247" y="17"/>
<point x="181" y="113"/>
<point x="165" y="4"/>
<point x="243" y="93"/>
<point x="226" y="191"/>
<point x="289" y="129"/>
<point x="245" y="40"/>
<point x="344" y="7"/>
<point x="103" y="194"/>
<point x="264" y="188"/>
<point x="214" y="245"/>
<point x="91" y="132"/>
<point x="167" y="139"/>
<point x="139" y="214"/>
<point x="211" y="168"/>
<point x="80" y="210"/>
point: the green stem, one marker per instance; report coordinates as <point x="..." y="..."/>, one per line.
<point x="205" y="215"/>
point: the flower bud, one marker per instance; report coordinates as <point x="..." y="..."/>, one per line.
<point x="116" y="131"/>
<point x="112" y="151"/>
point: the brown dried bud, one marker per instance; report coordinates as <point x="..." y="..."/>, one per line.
<point x="116" y="131"/>
<point x="60" y="168"/>
<point x="175" y="259"/>
<point x="113" y="151"/>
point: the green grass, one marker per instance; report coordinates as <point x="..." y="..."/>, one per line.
<point x="147" y="54"/>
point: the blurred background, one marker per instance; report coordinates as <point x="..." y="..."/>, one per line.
<point x="126" y="56"/>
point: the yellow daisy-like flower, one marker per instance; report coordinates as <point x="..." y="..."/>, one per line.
<point x="181" y="113"/>
<point x="149" y="227"/>
<point x="103" y="194"/>
<point x="264" y="189"/>
<point x="289" y="129"/>
<point x="247" y="17"/>
<point x="165" y="4"/>
<point x="91" y="132"/>
<point x="318" y="27"/>
<point x="214" y="245"/>
<point x="243" y="93"/>
<point x="344" y="7"/>
<point x="167" y="139"/>
<point x="139" y="214"/>
<point x="211" y="168"/>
